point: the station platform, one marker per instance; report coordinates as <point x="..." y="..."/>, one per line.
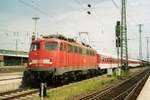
<point x="12" y="69"/>
<point x="10" y="81"/>
<point x="145" y="93"/>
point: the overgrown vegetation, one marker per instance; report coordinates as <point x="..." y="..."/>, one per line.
<point x="80" y="88"/>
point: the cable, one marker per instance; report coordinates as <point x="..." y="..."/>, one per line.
<point x="33" y="7"/>
<point x="78" y="2"/>
<point x="115" y="4"/>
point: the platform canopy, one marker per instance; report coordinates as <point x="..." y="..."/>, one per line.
<point x="13" y="53"/>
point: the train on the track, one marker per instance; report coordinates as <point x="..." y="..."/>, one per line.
<point x="58" y="58"/>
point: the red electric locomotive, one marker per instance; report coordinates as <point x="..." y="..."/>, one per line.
<point x="58" y="57"/>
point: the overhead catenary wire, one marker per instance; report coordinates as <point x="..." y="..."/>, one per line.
<point x="118" y="8"/>
<point x="43" y="12"/>
<point x="115" y="4"/>
<point x="35" y="8"/>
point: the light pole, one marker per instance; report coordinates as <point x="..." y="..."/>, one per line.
<point x="35" y="31"/>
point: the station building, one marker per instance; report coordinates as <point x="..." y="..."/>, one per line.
<point x="13" y="58"/>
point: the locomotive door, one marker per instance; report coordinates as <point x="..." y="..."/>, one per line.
<point x="63" y="56"/>
<point x="66" y="55"/>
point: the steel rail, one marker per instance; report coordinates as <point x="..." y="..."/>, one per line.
<point x="18" y="94"/>
<point x="136" y="90"/>
<point x="107" y="92"/>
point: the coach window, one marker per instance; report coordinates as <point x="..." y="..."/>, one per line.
<point x="51" y="46"/>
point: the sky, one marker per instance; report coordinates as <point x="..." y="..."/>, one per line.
<point x="69" y="17"/>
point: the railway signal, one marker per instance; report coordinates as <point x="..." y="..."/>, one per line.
<point x="118" y="30"/>
<point x="118" y="43"/>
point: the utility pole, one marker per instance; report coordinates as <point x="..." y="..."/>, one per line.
<point x="147" y="50"/>
<point x="123" y="35"/>
<point x="140" y="41"/>
<point x="35" y="30"/>
<point x="16" y="47"/>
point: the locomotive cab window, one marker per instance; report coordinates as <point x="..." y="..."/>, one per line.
<point x="35" y="46"/>
<point x="51" y="46"/>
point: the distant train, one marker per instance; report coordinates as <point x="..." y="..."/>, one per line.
<point x="108" y="61"/>
<point x="59" y="58"/>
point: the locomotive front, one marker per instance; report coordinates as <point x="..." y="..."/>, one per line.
<point x="42" y="55"/>
<point x="42" y="59"/>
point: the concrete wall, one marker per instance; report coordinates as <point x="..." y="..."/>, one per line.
<point x="9" y="85"/>
<point x="1" y="63"/>
<point x="1" y="60"/>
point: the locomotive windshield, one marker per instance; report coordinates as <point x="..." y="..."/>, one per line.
<point x="51" y="46"/>
<point x="35" y="46"/>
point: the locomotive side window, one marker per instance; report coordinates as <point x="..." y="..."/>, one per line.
<point x="51" y="46"/>
<point x="70" y="48"/>
<point x="80" y="50"/>
<point x="75" y="49"/>
<point x="35" y="46"/>
<point x="84" y="51"/>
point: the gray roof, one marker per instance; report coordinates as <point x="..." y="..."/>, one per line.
<point x="13" y="53"/>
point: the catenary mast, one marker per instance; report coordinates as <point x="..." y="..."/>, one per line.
<point x="124" y="45"/>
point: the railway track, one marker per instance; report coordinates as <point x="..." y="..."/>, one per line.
<point x="16" y="94"/>
<point x="23" y="93"/>
<point x="128" y="89"/>
<point x="26" y="94"/>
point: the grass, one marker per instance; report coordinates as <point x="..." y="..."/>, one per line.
<point x="76" y="89"/>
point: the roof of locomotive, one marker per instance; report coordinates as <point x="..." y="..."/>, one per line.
<point x="68" y="41"/>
